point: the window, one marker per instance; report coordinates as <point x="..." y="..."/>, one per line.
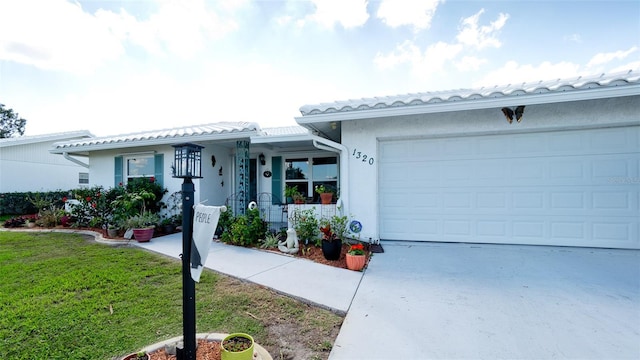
<point x="139" y="166"/>
<point x="133" y="166"/>
<point x="307" y="173"/>
<point x="83" y="178"/>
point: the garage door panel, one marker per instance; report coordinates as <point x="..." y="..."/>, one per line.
<point x="545" y="188"/>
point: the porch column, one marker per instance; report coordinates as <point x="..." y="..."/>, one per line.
<point x="242" y="177"/>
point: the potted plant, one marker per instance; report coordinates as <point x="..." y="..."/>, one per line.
<point x="333" y="230"/>
<point x="142" y="225"/>
<point x="290" y="192"/>
<point x="112" y="230"/>
<point x="326" y="194"/>
<point x="305" y="224"/>
<point x="356" y="257"/>
<point x="237" y="346"/>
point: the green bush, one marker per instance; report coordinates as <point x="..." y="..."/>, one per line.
<point x="246" y="230"/>
<point x="20" y="203"/>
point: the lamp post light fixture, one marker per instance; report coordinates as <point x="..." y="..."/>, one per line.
<point x="187" y="165"/>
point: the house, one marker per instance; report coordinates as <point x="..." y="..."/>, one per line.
<point x="448" y="166"/>
<point x="439" y="166"/>
<point x="274" y="157"/>
<point x="27" y="165"/>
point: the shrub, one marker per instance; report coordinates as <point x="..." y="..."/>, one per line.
<point x="246" y="230"/>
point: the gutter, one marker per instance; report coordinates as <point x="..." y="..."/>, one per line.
<point x="328" y="145"/>
<point x="74" y="160"/>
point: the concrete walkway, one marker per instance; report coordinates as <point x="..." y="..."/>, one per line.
<point x="323" y="285"/>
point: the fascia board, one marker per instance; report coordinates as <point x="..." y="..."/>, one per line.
<point x="151" y="142"/>
<point x="284" y="138"/>
<point x="486" y="103"/>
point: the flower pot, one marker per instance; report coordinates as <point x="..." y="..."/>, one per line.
<point x="325" y="198"/>
<point x="355" y="262"/>
<point x="112" y="233"/>
<point x="228" y="354"/>
<point x="169" y="228"/>
<point x="332" y="249"/>
<point x="143" y="235"/>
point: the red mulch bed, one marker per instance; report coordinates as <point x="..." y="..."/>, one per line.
<point x="207" y="350"/>
<point x="314" y="253"/>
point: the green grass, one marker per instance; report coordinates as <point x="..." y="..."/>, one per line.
<point x="64" y="297"/>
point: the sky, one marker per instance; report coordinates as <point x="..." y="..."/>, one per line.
<point x="115" y="67"/>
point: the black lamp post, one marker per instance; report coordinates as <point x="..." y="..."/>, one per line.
<point x="187" y="165"/>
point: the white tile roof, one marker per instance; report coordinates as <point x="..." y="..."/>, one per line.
<point x="213" y="131"/>
<point x="558" y="86"/>
<point x="32" y="139"/>
<point x="285" y="131"/>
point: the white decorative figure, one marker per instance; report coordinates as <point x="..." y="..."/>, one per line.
<point x="290" y="245"/>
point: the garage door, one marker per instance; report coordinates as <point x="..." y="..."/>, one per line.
<point x="570" y="188"/>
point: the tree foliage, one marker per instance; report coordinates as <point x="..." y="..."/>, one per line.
<point x="10" y="123"/>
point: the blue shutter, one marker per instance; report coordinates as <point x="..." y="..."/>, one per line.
<point x="117" y="171"/>
<point x="158" y="165"/>
<point x="276" y="180"/>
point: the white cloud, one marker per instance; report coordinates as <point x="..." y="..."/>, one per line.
<point x="604" y="58"/>
<point x="436" y="57"/>
<point x="433" y="60"/>
<point x="348" y="13"/>
<point x="471" y="34"/>
<point x="407" y="52"/>
<point x="59" y="35"/>
<point x="470" y="63"/>
<point x="418" y="14"/>
<point x="514" y="73"/>
<point x="573" y="38"/>
<point x="55" y="35"/>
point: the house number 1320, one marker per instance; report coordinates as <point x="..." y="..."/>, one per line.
<point x="365" y="158"/>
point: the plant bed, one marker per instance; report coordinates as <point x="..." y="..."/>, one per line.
<point x="206" y="350"/>
<point x="314" y="253"/>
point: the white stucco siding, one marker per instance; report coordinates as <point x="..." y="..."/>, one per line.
<point x="30" y="167"/>
<point x="366" y="136"/>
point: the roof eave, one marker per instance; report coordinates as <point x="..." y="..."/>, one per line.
<point x="281" y="138"/>
<point x="476" y="104"/>
<point x="152" y="142"/>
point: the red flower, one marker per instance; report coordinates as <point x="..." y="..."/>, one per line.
<point x="120" y="183"/>
<point x="64" y="199"/>
<point x="93" y="205"/>
<point x="356" y="249"/>
<point x="88" y="199"/>
<point x="152" y="179"/>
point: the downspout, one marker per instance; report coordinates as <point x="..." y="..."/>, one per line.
<point x="74" y="160"/>
<point x="328" y="145"/>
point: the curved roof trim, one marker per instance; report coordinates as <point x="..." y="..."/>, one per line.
<point x="604" y="85"/>
<point x="33" y="139"/>
<point x="213" y="131"/>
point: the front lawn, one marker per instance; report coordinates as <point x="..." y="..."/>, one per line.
<point x="63" y="296"/>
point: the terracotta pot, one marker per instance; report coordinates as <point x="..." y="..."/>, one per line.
<point x="325" y="198"/>
<point x="143" y="235"/>
<point x="355" y="262"/>
<point x="332" y="249"/>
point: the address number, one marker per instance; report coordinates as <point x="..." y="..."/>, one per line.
<point x="363" y="157"/>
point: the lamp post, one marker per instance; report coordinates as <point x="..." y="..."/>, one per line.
<point x="187" y="165"/>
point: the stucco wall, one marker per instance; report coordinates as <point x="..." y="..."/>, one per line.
<point x="30" y="167"/>
<point x="361" y="137"/>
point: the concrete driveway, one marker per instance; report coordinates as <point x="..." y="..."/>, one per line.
<point x="467" y="301"/>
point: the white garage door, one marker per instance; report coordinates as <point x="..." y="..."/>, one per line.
<point x="572" y="188"/>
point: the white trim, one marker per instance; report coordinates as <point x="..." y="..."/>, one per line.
<point x="477" y="104"/>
